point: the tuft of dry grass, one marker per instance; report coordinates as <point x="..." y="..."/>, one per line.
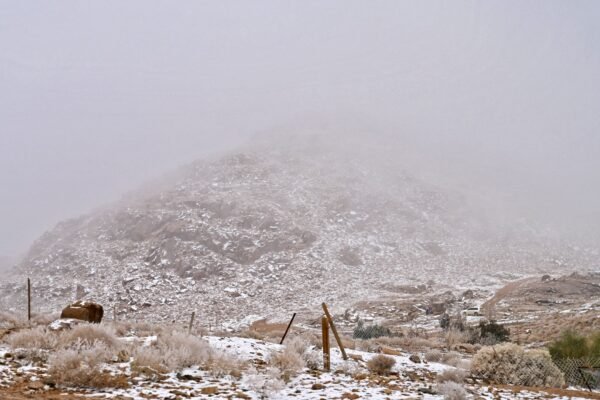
<point x="37" y="338"/>
<point x="87" y="334"/>
<point x="452" y="375"/>
<point x="452" y="391"/>
<point x="288" y="361"/>
<point x="381" y="364"/>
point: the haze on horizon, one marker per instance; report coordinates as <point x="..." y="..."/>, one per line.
<point x="96" y="98"/>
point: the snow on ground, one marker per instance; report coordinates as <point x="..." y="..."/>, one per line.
<point x="347" y="379"/>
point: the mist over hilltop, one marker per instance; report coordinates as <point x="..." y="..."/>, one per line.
<point x="97" y="98"/>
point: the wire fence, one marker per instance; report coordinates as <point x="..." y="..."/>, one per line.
<point x="581" y="372"/>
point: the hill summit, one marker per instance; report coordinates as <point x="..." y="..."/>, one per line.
<point x="278" y="227"/>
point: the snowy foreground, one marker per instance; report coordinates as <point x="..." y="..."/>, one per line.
<point x="348" y="379"/>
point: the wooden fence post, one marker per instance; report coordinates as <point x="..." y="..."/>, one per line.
<point x="326" y="350"/>
<point x="191" y="322"/>
<point x="335" y="333"/>
<point x="288" y="328"/>
<point x="28" y="300"/>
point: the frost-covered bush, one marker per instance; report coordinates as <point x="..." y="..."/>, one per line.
<point x="83" y="365"/>
<point x="38" y="337"/>
<point x="297" y="354"/>
<point x="452" y="391"/>
<point x="88" y="334"/>
<point x="381" y="364"/>
<point x="452" y="375"/>
<point x="511" y="364"/>
<point x="172" y="351"/>
<point x="266" y="384"/>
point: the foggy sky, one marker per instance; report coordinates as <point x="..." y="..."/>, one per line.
<point x="98" y="97"/>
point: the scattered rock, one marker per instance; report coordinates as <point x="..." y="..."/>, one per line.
<point x="209" y="390"/>
<point x="317" y="386"/>
<point x="35" y="385"/>
<point x="415" y="358"/>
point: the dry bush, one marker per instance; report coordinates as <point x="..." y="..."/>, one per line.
<point x="266" y="384"/>
<point x="288" y="361"/>
<point x="454" y="337"/>
<point x="511" y="364"/>
<point x="81" y="365"/>
<point x="9" y="320"/>
<point x="140" y="329"/>
<point x="88" y="334"/>
<point x="44" y="319"/>
<point x="221" y="364"/>
<point x="313" y="339"/>
<point x="452" y="391"/>
<point x="349" y="367"/>
<point x="172" y="351"/>
<point x="450" y="357"/>
<point x="381" y="364"/>
<point x="252" y="334"/>
<point x="433" y="355"/>
<point x="149" y="358"/>
<point x="452" y="375"/>
<point x="38" y="337"/>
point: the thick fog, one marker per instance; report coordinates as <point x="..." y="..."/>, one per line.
<point x="98" y="97"/>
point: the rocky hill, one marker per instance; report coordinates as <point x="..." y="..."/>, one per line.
<point x="278" y="227"/>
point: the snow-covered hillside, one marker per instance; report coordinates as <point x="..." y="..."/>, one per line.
<point x="274" y="229"/>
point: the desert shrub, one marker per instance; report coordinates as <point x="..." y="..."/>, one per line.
<point x="369" y="332"/>
<point x="221" y="364"/>
<point x="44" y="319"/>
<point x="81" y="365"/>
<point x="265" y="384"/>
<point x="433" y="355"/>
<point x="172" y="351"/>
<point x="573" y="345"/>
<point x="510" y="364"/>
<point x="452" y="375"/>
<point x="149" y="359"/>
<point x="381" y="364"/>
<point x="456" y="322"/>
<point x="9" y="320"/>
<point x="451" y="391"/>
<point x="491" y="333"/>
<point x="88" y="334"/>
<point x="38" y="337"/>
<point x="454" y="337"/>
<point x="290" y="361"/>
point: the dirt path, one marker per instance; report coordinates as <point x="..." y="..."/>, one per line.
<point x="505" y="292"/>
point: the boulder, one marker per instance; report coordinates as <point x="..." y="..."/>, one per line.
<point x="84" y="310"/>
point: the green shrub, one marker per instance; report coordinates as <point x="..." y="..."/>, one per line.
<point x="371" y="331"/>
<point x="492" y="332"/>
<point x="573" y="345"/>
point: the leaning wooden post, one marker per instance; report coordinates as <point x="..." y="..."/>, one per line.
<point x="335" y="333"/>
<point x="326" y="350"/>
<point x="191" y="322"/>
<point x="288" y="328"/>
<point x="28" y="299"/>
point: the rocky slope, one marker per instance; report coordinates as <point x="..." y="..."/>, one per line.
<point x="278" y="228"/>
